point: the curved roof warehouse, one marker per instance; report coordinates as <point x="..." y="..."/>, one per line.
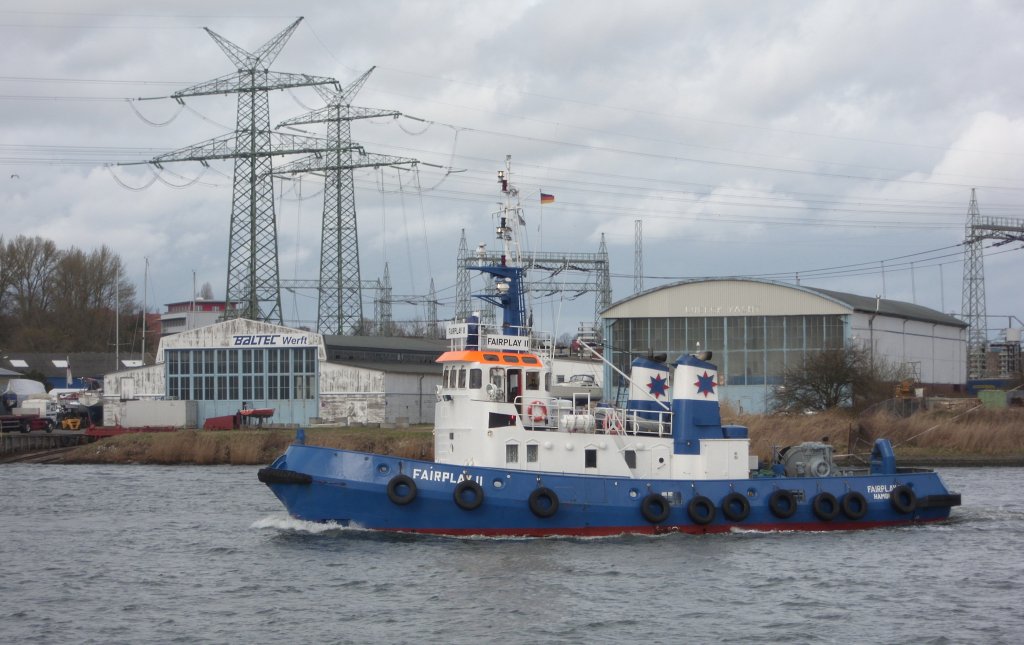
<point x="758" y="328"/>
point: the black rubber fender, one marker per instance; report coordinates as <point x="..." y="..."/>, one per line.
<point x="782" y="503"/>
<point x="855" y="506"/>
<point x="735" y="506"/>
<point x="903" y="499"/>
<point x="394" y="489"/>
<point x="543" y="502"/>
<point x="701" y="510"/>
<point x="825" y="506"/>
<point x="473" y="499"/>
<point x="270" y="475"/>
<point x="655" y="508"/>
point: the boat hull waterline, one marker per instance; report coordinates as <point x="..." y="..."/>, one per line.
<point x="352" y="489"/>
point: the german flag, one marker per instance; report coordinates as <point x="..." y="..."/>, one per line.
<point x="547" y="199"/>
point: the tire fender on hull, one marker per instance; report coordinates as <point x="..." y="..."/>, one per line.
<point x="825" y="506"/>
<point x="782" y="504"/>
<point x="903" y="499"/>
<point x="855" y="506"/>
<point x="735" y="506"/>
<point x="543" y="502"/>
<point x="401" y="489"/>
<point x="655" y="508"/>
<point x="701" y="510"/>
<point x="468" y="495"/>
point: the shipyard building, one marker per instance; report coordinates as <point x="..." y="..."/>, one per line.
<point x="304" y="377"/>
<point x="757" y="329"/>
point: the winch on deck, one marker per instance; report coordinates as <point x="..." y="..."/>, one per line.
<point x="808" y="459"/>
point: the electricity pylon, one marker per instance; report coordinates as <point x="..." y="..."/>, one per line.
<point x="979" y="228"/>
<point x="340" y="307"/>
<point x="253" y="283"/>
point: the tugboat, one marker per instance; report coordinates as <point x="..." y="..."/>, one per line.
<point x="513" y="459"/>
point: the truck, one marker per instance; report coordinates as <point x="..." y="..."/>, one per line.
<point x="26" y="407"/>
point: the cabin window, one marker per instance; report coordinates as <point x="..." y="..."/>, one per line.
<point x="498" y="378"/>
<point x="530" y="360"/>
<point x="510" y="359"/>
<point x="547" y="382"/>
<point x="631" y="458"/>
<point x="475" y="378"/>
<point x="533" y="380"/>
<point x="531" y="453"/>
<point x="590" y="458"/>
<point x="512" y="453"/>
<point x="462" y="379"/>
<point x="490" y="357"/>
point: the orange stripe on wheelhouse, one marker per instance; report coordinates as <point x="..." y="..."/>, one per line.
<point x="492" y="358"/>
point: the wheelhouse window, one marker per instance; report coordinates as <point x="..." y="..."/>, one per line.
<point x="475" y="378"/>
<point x="498" y="378"/>
<point x="533" y="380"/>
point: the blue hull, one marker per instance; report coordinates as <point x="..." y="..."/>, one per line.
<point x="352" y="489"/>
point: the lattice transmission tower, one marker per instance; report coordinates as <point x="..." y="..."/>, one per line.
<point x="638" y="256"/>
<point x="253" y="279"/>
<point x="340" y="303"/>
<point x="979" y="228"/>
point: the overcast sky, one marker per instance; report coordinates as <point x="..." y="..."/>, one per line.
<point x="823" y="140"/>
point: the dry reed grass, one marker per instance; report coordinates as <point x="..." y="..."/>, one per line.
<point x="245" y="447"/>
<point x="976" y="434"/>
<point x="979" y="434"/>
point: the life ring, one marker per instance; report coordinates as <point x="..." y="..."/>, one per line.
<point x="395" y="486"/>
<point x="782" y="503"/>
<point x="735" y="506"/>
<point x="855" y="506"/>
<point x="543" y="502"/>
<point x="903" y="499"/>
<point x="701" y="510"/>
<point x="655" y="508"/>
<point x="471" y="501"/>
<point x="537" y="411"/>
<point x="825" y="506"/>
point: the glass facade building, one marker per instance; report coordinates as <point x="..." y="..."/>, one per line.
<point x="749" y="350"/>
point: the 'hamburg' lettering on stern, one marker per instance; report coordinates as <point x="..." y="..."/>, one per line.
<point x="880" y="491"/>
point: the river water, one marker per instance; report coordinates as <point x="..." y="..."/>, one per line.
<point x="131" y="554"/>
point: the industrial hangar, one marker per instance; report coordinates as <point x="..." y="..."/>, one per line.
<point x="757" y="329"/>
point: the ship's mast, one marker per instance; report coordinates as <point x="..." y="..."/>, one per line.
<point x="510" y="218"/>
<point x="508" y="274"/>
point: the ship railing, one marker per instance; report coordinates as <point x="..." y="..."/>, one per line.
<point x="648" y="422"/>
<point x="578" y="415"/>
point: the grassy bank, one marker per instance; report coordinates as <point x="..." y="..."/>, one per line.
<point x="984" y="436"/>
<point x="246" y="446"/>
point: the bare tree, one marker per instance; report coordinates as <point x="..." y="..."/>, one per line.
<point x="62" y="300"/>
<point x="206" y="291"/>
<point x="848" y="377"/>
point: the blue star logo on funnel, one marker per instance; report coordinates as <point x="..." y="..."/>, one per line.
<point x="705" y="384"/>
<point x="658" y="386"/>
